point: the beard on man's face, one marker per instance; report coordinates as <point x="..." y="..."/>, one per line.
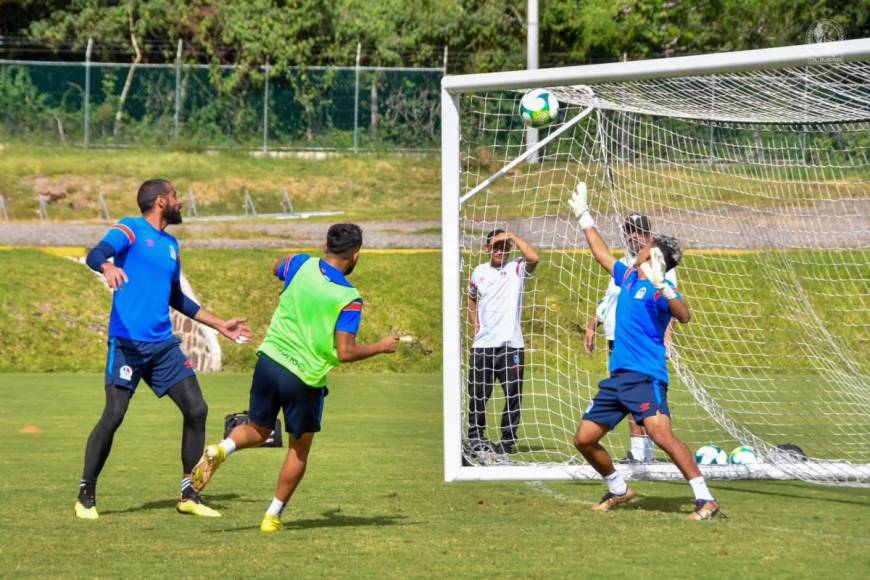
<point x="350" y="268"/>
<point x="172" y="215"/>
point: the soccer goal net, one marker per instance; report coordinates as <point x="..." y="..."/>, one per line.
<point x="757" y="162"/>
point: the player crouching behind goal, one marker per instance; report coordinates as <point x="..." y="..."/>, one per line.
<point x="638" y="383"/>
<point x="313" y="329"/>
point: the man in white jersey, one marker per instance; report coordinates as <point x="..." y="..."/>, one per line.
<point x="495" y="302"/>
<point x="637" y="233"/>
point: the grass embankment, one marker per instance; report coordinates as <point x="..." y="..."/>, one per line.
<point x="54" y="312"/>
<point x="364" y="187"/>
<point x="388" y="186"/>
<point x="746" y="320"/>
<point x="373" y="503"/>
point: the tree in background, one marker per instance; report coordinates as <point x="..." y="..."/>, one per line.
<point x="295" y="35"/>
<point x="482" y="35"/>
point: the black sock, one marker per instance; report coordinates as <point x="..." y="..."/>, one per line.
<point x="187" y="489"/>
<point x="88" y="493"/>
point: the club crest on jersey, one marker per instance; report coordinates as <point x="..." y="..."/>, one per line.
<point x="172" y="253"/>
<point x="640" y="293"/>
<point x="125" y="373"/>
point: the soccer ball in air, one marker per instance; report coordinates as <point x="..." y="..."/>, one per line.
<point x="539" y="108"/>
<point x="743" y="455"/>
<point x="711" y="455"/>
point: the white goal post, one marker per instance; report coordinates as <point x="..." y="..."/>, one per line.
<point x="758" y="162"/>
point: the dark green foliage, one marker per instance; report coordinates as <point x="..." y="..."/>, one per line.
<point x="314" y="107"/>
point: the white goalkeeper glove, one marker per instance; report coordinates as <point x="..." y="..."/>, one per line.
<point x="580" y="207"/>
<point x="654" y="270"/>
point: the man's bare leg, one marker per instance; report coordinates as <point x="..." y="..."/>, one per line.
<point x="587" y="441"/>
<point x="659" y="429"/>
<point x="291" y="475"/>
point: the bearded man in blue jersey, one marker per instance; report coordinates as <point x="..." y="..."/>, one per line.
<point x="638" y="383"/>
<point x="145" y="276"/>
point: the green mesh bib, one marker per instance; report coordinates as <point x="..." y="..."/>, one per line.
<point x="301" y="336"/>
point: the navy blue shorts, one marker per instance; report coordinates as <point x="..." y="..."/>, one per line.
<point x="274" y="388"/>
<point x="627" y="392"/>
<point x="161" y="364"/>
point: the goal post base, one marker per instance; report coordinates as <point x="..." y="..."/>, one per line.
<point x="665" y="472"/>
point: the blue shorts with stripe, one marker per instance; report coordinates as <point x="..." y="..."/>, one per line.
<point x="274" y="388"/>
<point x="627" y="392"/>
<point x="160" y="364"/>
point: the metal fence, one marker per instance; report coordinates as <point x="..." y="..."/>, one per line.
<point x="121" y="104"/>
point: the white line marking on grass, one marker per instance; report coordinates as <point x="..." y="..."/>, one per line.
<point x="540" y="487"/>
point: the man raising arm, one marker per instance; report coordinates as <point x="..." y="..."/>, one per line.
<point x="639" y="379"/>
<point x="495" y="302"/>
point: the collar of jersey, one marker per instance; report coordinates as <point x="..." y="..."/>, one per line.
<point x="503" y="266"/>
<point x="151" y="227"/>
<point x="333" y="274"/>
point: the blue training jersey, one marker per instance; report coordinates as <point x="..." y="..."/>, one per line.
<point x="642" y="316"/>
<point x="351" y="315"/>
<point x="150" y="258"/>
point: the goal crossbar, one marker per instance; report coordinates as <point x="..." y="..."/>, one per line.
<point x="707" y="64"/>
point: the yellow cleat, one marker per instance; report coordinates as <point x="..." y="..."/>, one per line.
<point x="271" y="524"/>
<point x="193" y="505"/>
<point x="211" y="459"/>
<point x="84" y="513"/>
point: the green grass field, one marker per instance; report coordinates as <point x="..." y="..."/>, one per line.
<point x="373" y="503"/>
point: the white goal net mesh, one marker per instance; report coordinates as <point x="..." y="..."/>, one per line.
<point x="764" y="179"/>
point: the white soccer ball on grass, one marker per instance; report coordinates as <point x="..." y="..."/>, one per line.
<point x="711" y="455"/>
<point x="743" y="455"/>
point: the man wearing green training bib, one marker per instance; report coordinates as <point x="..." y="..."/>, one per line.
<point x="313" y="329"/>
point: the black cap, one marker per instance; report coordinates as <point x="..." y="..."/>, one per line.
<point x="637" y="223"/>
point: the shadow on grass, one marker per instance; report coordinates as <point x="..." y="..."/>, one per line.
<point x="330" y="519"/>
<point x="796" y="495"/>
<point x="669" y="505"/>
<point x="213" y="501"/>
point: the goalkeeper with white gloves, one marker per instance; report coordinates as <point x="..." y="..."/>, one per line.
<point x="638" y="382"/>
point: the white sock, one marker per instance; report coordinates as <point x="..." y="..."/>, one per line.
<point x="615" y="483"/>
<point x="699" y="487"/>
<point x="276" y="508"/>
<point x="228" y="445"/>
<point x="648" y="454"/>
<point x="638" y="447"/>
